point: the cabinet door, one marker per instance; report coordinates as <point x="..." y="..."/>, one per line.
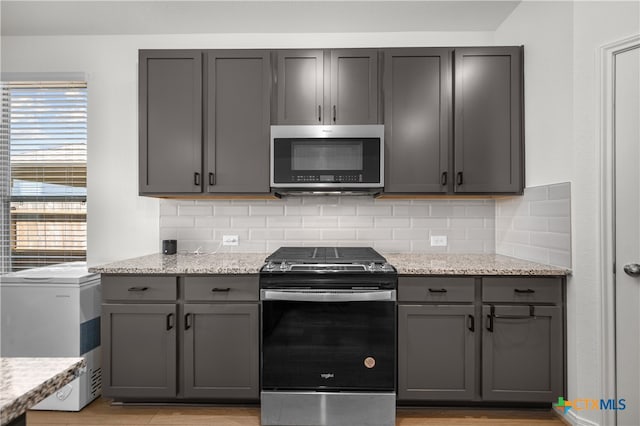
<point x="522" y="354"/>
<point x="170" y="121"/>
<point x="354" y="87"/>
<point x="139" y="350"/>
<point x="436" y="352"/>
<point x="417" y="88"/>
<point x="488" y="120"/>
<point x="237" y="131"/>
<point x="300" y="85"/>
<point x="221" y="351"/>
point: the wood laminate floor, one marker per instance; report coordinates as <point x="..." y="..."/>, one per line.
<point x="102" y="413"/>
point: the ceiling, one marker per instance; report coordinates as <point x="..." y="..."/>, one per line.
<point x="88" y="17"/>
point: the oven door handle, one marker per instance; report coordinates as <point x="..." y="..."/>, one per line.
<point x="329" y="296"/>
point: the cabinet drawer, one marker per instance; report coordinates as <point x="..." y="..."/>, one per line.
<point x="221" y="288"/>
<point x="436" y="289"/>
<point x="137" y="289"/>
<point x="522" y="289"/>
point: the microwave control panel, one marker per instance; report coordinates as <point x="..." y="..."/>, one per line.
<point x="356" y="178"/>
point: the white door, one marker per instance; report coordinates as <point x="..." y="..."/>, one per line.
<point x="627" y="233"/>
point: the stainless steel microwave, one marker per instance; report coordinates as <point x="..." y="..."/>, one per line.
<point x="327" y="158"/>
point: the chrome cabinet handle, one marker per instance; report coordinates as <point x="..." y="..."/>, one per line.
<point x="320" y="113"/>
<point x="632" y="269"/>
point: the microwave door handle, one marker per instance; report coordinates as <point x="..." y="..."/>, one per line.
<point x="329" y="296"/>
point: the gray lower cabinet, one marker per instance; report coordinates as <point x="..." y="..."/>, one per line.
<point x="327" y="86"/>
<point x="181" y="338"/>
<point x="513" y="352"/>
<point x="436" y="357"/>
<point x="417" y="96"/>
<point x="221" y="353"/>
<point x="139" y="350"/>
<point x="523" y="339"/>
<point x="488" y="134"/>
<point x="522" y="353"/>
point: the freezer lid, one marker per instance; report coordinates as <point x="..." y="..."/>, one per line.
<point x="62" y="273"/>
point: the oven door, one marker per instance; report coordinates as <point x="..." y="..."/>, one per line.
<point x="338" y="340"/>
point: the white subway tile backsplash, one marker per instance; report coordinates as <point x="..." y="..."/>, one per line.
<point x="551" y="208"/>
<point x="303" y="234"/>
<point x="320" y="222"/>
<point x="248" y="222"/>
<point x="355" y="222"/>
<point x="284" y="222"/>
<point x="429" y="222"/>
<point x="225" y="210"/>
<point x="338" y="210"/>
<point x="266" y="210"/>
<point x="537" y="226"/>
<point x="375" y="234"/>
<point x="550" y="240"/>
<point x="374" y="210"/>
<point x="410" y="210"/>
<point x="388" y="225"/>
<point x="194" y="210"/>
<point x="339" y="234"/>
<point x="392" y="222"/>
<point x="177" y="221"/>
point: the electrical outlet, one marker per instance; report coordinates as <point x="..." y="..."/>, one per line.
<point x="438" y="241"/>
<point x="229" y="240"/>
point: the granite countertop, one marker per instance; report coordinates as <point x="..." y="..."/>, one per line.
<point x="405" y="263"/>
<point x="24" y="382"/>
<point x="216" y="263"/>
<point x="468" y="264"/>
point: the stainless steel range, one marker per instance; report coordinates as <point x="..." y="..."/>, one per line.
<point x="328" y="337"/>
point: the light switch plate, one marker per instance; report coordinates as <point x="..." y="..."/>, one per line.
<point x="438" y="241"/>
<point x="229" y="240"/>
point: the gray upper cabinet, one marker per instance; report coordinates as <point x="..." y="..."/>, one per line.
<point x="354" y="87"/>
<point x="327" y="87"/>
<point x="238" y="88"/>
<point x="416" y="119"/>
<point x="488" y="131"/>
<point x="170" y="121"/>
<point x="300" y="86"/>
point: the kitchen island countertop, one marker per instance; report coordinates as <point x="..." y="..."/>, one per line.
<point x="24" y="382"/>
<point x="405" y="263"/>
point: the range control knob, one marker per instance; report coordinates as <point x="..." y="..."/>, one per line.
<point x="269" y="266"/>
<point x="284" y="266"/>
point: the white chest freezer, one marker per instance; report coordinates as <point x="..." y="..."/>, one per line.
<point x="54" y="311"/>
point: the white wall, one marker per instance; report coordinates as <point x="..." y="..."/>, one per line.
<point x="120" y="223"/>
<point x="562" y="41"/>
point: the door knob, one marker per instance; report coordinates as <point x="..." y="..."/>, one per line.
<point x="632" y="269"/>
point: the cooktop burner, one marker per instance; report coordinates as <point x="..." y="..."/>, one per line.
<point x="326" y="255"/>
<point x="326" y="260"/>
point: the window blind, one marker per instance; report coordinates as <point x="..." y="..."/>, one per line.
<point x="47" y="134"/>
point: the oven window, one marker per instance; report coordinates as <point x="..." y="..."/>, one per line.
<point x="330" y="155"/>
<point x="329" y="346"/>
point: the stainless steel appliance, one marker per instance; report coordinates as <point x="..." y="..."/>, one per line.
<point x="328" y="337"/>
<point x="317" y="159"/>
